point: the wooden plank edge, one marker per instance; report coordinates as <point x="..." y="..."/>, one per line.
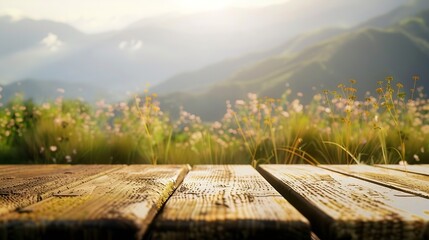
<point x="402" y="170"/>
<point x="93" y="229"/>
<point x="314" y="236"/>
<point x="144" y="232"/>
<point x="391" y="186"/>
<point x="315" y="216"/>
<point x="228" y="229"/>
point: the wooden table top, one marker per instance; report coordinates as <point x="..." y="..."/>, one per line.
<point x="214" y="202"/>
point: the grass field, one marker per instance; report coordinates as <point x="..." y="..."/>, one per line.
<point x="336" y="127"/>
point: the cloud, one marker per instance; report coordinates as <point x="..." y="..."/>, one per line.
<point x="123" y="45"/>
<point x="98" y="16"/>
<point x="52" y="42"/>
<point x="132" y="45"/>
<point x="13" y="13"/>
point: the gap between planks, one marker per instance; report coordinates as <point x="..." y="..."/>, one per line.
<point x="7" y="173"/>
<point x="417" y="169"/>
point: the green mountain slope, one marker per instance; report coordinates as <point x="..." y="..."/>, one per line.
<point x="367" y="55"/>
<point x="411" y="8"/>
<point x="212" y="74"/>
<point x="159" y="47"/>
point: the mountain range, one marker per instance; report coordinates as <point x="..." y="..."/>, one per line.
<point x="393" y="44"/>
<point x="264" y="50"/>
<point x="155" y="49"/>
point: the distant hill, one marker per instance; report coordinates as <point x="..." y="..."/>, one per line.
<point x="24" y="34"/>
<point x="154" y="49"/>
<point x="27" y="45"/>
<point x="412" y="7"/>
<point x="212" y="74"/>
<point x="367" y="55"/>
<point x="41" y="91"/>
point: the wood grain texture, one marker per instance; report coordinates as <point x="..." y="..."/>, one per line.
<point x="404" y="181"/>
<point x="22" y="185"/>
<point x="228" y="202"/>
<point x="418" y="169"/>
<point x="118" y="205"/>
<point x="343" y="207"/>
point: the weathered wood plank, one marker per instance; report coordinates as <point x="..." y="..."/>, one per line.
<point x="418" y="169"/>
<point x="343" y="207"/>
<point x="22" y="185"/>
<point x="25" y="170"/>
<point x="407" y="182"/>
<point x="228" y="202"/>
<point x="118" y="205"/>
<point x="8" y="167"/>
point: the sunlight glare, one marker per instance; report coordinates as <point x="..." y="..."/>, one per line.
<point x="197" y="5"/>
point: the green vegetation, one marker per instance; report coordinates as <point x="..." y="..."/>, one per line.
<point x="321" y="60"/>
<point x="335" y="127"/>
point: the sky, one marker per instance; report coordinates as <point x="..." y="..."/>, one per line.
<point x="102" y="15"/>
